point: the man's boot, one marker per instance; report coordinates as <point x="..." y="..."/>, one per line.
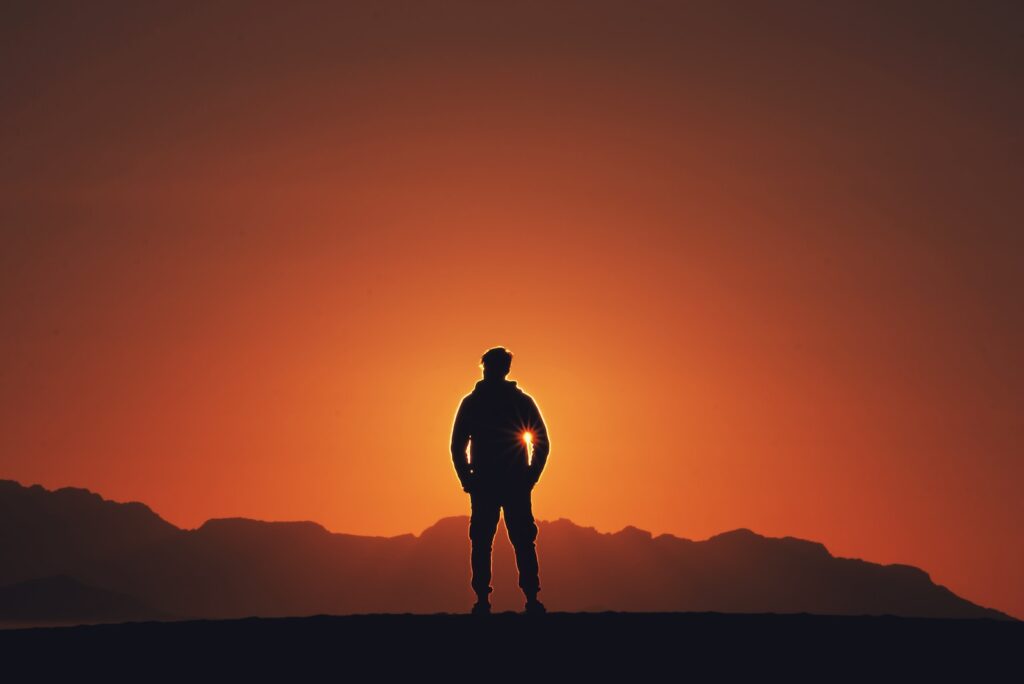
<point x="533" y="606"/>
<point x="483" y="604"/>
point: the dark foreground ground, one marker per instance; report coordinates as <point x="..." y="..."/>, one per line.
<point x="506" y="645"/>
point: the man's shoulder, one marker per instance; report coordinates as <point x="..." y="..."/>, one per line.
<point x="525" y="397"/>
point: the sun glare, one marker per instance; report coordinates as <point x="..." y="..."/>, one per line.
<point x="528" y="437"/>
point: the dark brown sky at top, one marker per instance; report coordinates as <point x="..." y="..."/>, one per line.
<point x="759" y="262"/>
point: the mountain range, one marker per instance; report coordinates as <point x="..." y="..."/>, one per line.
<point x="71" y="556"/>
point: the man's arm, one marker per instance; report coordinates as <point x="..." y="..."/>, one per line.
<point x="460" y="440"/>
<point x="541" y="443"/>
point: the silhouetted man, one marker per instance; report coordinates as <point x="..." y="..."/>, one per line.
<point x="499" y="421"/>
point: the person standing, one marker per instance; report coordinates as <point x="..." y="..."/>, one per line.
<point x="500" y="422"/>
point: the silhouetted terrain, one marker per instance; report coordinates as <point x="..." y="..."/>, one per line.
<point x="64" y="600"/>
<point x="499" y="647"/>
<point x="231" y="568"/>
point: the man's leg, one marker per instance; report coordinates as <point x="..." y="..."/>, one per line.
<point x="483" y="523"/>
<point x="522" y="532"/>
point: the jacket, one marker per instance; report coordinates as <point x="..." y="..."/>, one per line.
<point x="492" y="420"/>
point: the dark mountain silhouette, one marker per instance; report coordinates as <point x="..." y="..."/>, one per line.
<point x="236" y="567"/>
<point x="61" y="599"/>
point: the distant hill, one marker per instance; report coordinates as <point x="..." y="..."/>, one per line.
<point x="236" y="567"/>
<point x="61" y="599"/>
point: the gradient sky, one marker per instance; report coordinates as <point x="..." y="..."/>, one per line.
<point x="758" y="263"/>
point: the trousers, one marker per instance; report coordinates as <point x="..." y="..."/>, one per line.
<point x="522" y="533"/>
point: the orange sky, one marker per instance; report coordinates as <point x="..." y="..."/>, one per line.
<point x="758" y="267"/>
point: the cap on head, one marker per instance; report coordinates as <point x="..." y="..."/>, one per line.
<point x="496" y="362"/>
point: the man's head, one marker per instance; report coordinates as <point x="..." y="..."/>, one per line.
<point x="496" y="362"/>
